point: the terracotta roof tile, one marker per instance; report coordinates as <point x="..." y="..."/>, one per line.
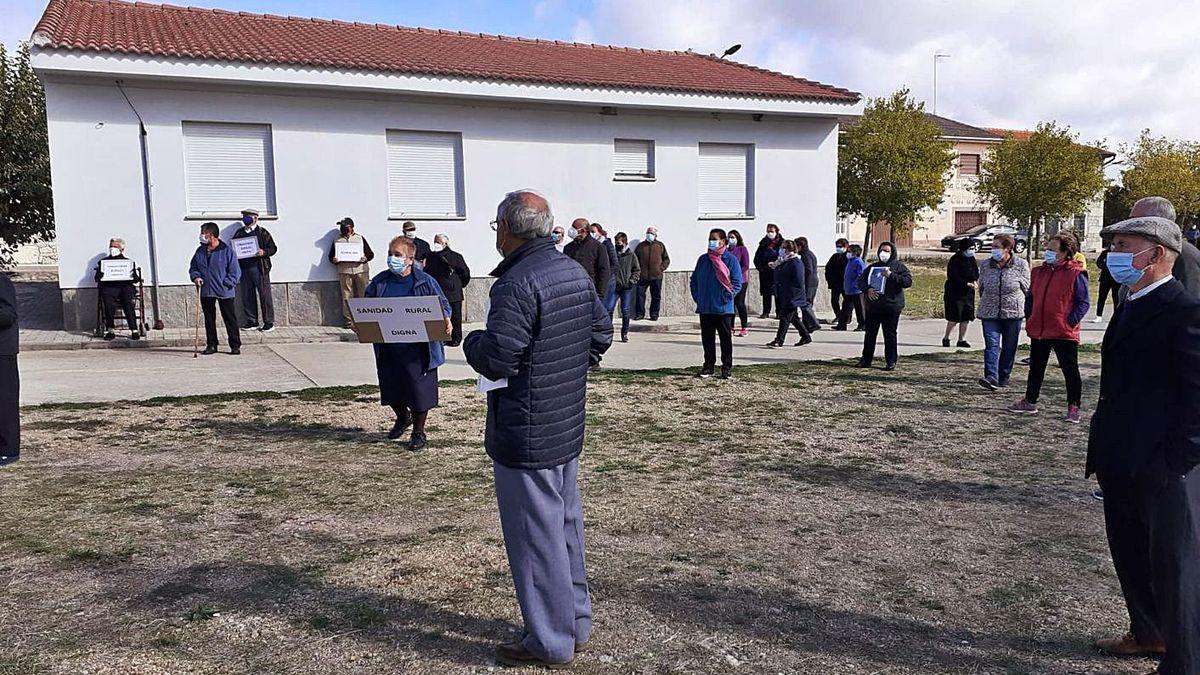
<point x="189" y="32"/>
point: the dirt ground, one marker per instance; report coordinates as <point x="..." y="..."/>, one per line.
<point x="809" y="518"/>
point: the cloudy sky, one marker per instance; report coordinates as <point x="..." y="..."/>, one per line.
<point x="1107" y="68"/>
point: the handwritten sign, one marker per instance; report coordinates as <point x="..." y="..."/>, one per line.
<point x="245" y="247"/>
<point x="414" y="319"/>
<point x="117" y="270"/>
<point x="348" y="251"/>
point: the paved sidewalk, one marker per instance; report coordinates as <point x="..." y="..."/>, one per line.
<point x="53" y="376"/>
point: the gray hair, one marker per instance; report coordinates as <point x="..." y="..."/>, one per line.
<point x="120" y="241"/>
<point x="527" y="214"/>
<point x="1159" y="207"/>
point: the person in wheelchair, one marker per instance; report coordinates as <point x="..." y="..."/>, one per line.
<point x="118" y="291"/>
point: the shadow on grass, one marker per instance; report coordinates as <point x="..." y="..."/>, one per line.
<point x="853" y="636"/>
<point x="299" y="596"/>
<point x="290" y="430"/>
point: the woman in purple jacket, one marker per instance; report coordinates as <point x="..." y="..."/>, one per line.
<point x="737" y="246"/>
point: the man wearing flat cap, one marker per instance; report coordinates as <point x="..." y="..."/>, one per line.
<point x="1187" y="265"/>
<point x="256" y="274"/>
<point x="1145" y="444"/>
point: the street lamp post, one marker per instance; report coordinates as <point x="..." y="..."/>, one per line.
<point x="936" y="55"/>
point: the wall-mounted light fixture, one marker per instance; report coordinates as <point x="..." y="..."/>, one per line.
<point x="608" y="110"/>
<point x="758" y="117"/>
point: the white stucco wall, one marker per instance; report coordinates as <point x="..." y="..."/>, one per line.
<point x="330" y="162"/>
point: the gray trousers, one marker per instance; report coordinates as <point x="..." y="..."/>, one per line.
<point x="542" y="520"/>
<point x="256" y="284"/>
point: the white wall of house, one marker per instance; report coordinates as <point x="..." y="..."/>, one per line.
<point x="330" y="160"/>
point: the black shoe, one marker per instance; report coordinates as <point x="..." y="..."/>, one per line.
<point x="839" y="327"/>
<point x="773" y="344"/>
<point x="1098" y="495"/>
<point x="624" y="338"/>
<point x="595" y="368"/>
<point x="639" y="318"/>
<point x="813" y="329"/>
<point x="235" y="351"/>
<point x="402" y="424"/>
<point x="654" y="318"/>
<point x="454" y="344"/>
<point x="862" y="364"/>
<point x="945" y="342"/>
<point x="764" y="316"/>
<point x="209" y="350"/>
<point x="704" y="374"/>
<point x="267" y="327"/>
<point x="726" y="373"/>
<point x="135" y="335"/>
<point x="860" y="329"/>
<point x="964" y="344"/>
<point x="418" y="442"/>
<point x="988" y="384"/>
<point x="109" y="335"/>
<point x="249" y="326"/>
<point x="890" y="367"/>
<point x="804" y="341"/>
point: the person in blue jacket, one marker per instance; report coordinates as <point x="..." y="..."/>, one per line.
<point x="854" y="300"/>
<point x="715" y="282"/>
<point x="407" y="371"/>
<point x="791" y="294"/>
<point x="216" y="272"/>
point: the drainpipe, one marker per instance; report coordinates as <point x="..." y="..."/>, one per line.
<point x="158" y="323"/>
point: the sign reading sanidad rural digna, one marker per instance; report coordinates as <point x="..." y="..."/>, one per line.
<point x="418" y="319"/>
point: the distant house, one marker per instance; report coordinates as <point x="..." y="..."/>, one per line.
<point x="961" y="209"/>
<point x="311" y="120"/>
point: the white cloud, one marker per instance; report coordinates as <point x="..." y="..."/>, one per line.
<point x="1107" y="68"/>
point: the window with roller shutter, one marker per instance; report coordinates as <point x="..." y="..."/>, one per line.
<point x="226" y="168"/>
<point x="633" y="160"/>
<point x="424" y="174"/>
<point x="725" y="180"/>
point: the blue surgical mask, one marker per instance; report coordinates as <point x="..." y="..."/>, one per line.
<point x="970" y="253"/>
<point x="651" y="237"/>
<point x="733" y="241"/>
<point x="1050" y="256"/>
<point x="247" y="220"/>
<point x="572" y="233"/>
<point x="997" y="254"/>
<point x="714" y="245"/>
<point x="1120" y="266"/>
<point x="555" y="237"/>
<point x="397" y="264"/>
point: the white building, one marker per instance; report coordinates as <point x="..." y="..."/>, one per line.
<point x="309" y="121"/>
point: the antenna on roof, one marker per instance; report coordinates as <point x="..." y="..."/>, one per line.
<point x="731" y="51"/>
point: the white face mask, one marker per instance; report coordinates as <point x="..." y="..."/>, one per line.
<point x="436" y="247"/>
<point x="204" y="239"/>
<point x="114" y="251"/>
<point x="733" y="241"/>
<point x="885" y="256"/>
<point x="411" y="234"/>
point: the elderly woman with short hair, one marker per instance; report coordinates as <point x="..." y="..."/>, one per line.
<point x="1003" y="283"/>
<point x="408" y="378"/>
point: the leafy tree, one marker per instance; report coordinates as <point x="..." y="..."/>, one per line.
<point x="892" y="163"/>
<point x="1116" y="204"/>
<point x="1049" y="175"/>
<point x="26" y="207"/>
<point x="1160" y="167"/>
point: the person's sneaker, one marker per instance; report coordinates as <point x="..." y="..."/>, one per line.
<point x="1024" y="361"/>
<point x="743" y="333"/>
<point x="1002" y="385"/>
<point x="890" y="367"/>
<point x="1128" y="645"/>
<point x="1097" y="319"/>
<point x="804" y="341"/>
<point x="862" y="364"/>
<point x="249" y="325"/>
<point x="402" y="424"/>
<point x="1073" y="414"/>
<point x="209" y="350"/>
<point x="1023" y="407"/>
<point x="267" y="327"/>
<point x="135" y="335"/>
<point x="109" y="335"/>
<point x="418" y="442"/>
<point x="235" y="351"/>
<point x="594" y="368"/>
<point x="704" y="374"/>
<point x="1098" y="495"/>
<point x="964" y="344"/>
<point x="517" y="656"/>
<point x="988" y="384"/>
<point x="774" y="345"/>
<point x="945" y="342"/>
<point x="726" y="373"/>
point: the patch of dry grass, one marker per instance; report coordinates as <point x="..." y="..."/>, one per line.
<point x="800" y="519"/>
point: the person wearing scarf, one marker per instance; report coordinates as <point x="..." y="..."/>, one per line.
<point x="716" y="281"/>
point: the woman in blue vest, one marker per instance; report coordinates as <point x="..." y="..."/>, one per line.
<point x="408" y="379"/>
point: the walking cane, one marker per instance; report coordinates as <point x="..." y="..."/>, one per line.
<point x="196" y="334"/>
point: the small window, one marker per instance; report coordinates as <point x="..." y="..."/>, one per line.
<point x="227" y="168"/>
<point x="424" y="174"/>
<point x="841" y="226"/>
<point x="633" y="160"/>
<point x="725" y="180"/>
<point x="1080" y="222"/>
<point x="968" y="165"/>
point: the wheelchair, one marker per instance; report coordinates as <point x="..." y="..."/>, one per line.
<point x="119" y="319"/>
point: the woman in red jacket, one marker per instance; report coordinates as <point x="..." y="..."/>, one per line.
<point x="1057" y="302"/>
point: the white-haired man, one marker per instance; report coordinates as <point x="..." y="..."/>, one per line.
<point x="545" y="326"/>
<point x="117" y="292"/>
<point x="1144" y="446"/>
<point x="1187" y="266"/>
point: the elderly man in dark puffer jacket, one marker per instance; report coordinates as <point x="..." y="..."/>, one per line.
<point x="545" y="326"/>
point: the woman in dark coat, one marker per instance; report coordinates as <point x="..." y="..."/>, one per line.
<point x="962" y="278"/>
<point x="883" y="282"/>
<point x="408" y="379"/>
<point x="791" y="295"/>
<point x="767" y="253"/>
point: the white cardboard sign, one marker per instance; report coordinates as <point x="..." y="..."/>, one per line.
<point x="117" y="270"/>
<point x="348" y="251"/>
<point x="413" y="319"/>
<point x="245" y="247"/>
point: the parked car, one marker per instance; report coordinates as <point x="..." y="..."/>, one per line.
<point x="983" y="236"/>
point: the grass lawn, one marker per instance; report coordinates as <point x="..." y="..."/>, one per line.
<point x="804" y="518"/>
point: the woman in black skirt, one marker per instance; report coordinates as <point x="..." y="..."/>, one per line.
<point x="408" y="379"/>
<point x="962" y="278"/>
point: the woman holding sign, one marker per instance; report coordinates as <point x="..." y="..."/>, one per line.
<point x="408" y="380"/>
<point x="883" y="282"/>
